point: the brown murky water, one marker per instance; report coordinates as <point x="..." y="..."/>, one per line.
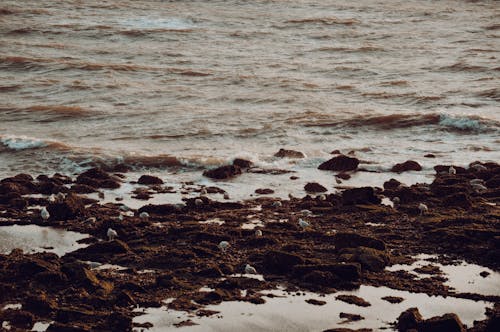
<point x="206" y="81"/>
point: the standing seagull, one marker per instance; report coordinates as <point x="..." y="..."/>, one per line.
<point x="452" y="170"/>
<point x="112" y="234"/>
<point x="249" y="269"/>
<point x="423" y="208"/>
<point x="258" y="233"/>
<point x="304" y="224"/>
<point x="44" y="214"/>
<point x="144" y="215"/>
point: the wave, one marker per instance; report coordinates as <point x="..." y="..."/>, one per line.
<point x="17" y="143"/>
<point x="400" y="121"/>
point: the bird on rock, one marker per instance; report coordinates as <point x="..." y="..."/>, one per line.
<point x="144" y="215"/>
<point x="249" y="269"/>
<point x="423" y="209"/>
<point x="304" y="224"/>
<point x="44" y="214"/>
<point x="112" y="234"/>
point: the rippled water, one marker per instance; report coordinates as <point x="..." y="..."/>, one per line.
<point x="207" y="81"/>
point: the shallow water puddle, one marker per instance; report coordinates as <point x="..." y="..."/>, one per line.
<point x="463" y="277"/>
<point x="33" y="238"/>
<point x="292" y="313"/>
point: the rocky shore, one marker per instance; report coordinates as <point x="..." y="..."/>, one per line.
<point x="175" y="251"/>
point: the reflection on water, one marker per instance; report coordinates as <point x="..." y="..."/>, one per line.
<point x="33" y="238"/>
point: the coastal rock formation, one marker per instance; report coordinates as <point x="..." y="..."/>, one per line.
<point x="223" y="172"/>
<point x="408" y="165"/>
<point x="341" y="163"/>
<point x="149" y="180"/>
<point x="313" y="187"/>
<point x="283" y="153"/>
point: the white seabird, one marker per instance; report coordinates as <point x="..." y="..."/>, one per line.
<point x="423" y="208"/>
<point x="249" y="269"/>
<point x="478" y="167"/>
<point x="198" y="202"/>
<point x="479" y="188"/>
<point x="304" y="224"/>
<point x="111" y="234"/>
<point x="258" y="233"/>
<point x="452" y="170"/>
<point x="144" y="215"/>
<point x="44" y="214"/>
<point x="277" y="204"/>
<point x="396" y="200"/>
<point x="223" y="245"/>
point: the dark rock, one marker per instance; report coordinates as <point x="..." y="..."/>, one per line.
<point x="393" y="299"/>
<point x="369" y="258"/>
<point x="281" y="261"/>
<point x="20" y="319"/>
<point x="353" y="240"/>
<point x="340" y="163"/>
<point x="458" y="199"/>
<point x="82" y="189"/>
<point x="445" y="169"/>
<point x="149" y="180"/>
<point x="315" y="302"/>
<point x="391" y="184"/>
<point x="350" y="317"/>
<point x="223" y="172"/>
<point x="283" y="153"/>
<point x="117" y="322"/>
<point x="58" y="327"/>
<point x="70" y="208"/>
<point x="124" y="299"/>
<point x="103" y="248"/>
<point x="264" y="191"/>
<point x="363" y="195"/>
<point x="408" y="320"/>
<point x="429" y="155"/>
<point x="352" y="299"/>
<point x="345" y="272"/>
<point x="40" y="304"/>
<point x="447" y="322"/>
<point x="408" y="165"/>
<point x="98" y="178"/>
<point x="343" y="176"/>
<point x="161" y="209"/>
<point x="335" y="152"/>
<point x="242" y="163"/>
<point x="313" y="187"/>
<point x="79" y="274"/>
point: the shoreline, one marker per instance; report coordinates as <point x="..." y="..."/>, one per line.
<point x="353" y="238"/>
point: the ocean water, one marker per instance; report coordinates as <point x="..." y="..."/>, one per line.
<point x="173" y="87"/>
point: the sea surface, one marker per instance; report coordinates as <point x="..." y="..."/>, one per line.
<point x="174" y="87"/>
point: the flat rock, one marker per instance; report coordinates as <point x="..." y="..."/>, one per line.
<point x="149" y="180"/>
<point x="363" y="195"/>
<point x="313" y="187"/>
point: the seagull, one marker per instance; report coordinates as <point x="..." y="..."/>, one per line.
<point x="396" y="200"/>
<point x="452" y="170"/>
<point x="304" y="224"/>
<point x="144" y="215"/>
<point x="223" y="245"/>
<point x="249" y="269"/>
<point x="60" y="197"/>
<point x="322" y="197"/>
<point x="258" y="233"/>
<point x="423" y="208"/>
<point x="277" y="204"/>
<point x="52" y="198"/>
<point x="198" y="202"/>
<point x="91" y="220"/>
<point x="120" y="217"/>
<point x="44" y="214"/>
<point x="112" y="234"/>
<point x="179" y="207"/>
<point x="203" y="191"/>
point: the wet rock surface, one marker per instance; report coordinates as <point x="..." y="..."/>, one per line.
<point x="172" y="254"/>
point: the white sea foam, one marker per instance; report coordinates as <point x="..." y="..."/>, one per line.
<point x="22" y="142"/>
<point x="461" y="123"/>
